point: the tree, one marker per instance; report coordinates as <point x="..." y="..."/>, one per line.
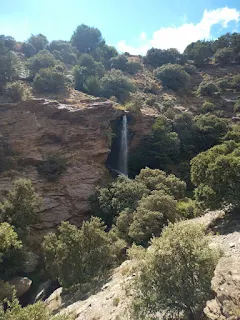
<point x="8" y="41"/>
<point x="86" y="39"/>
<point x="114" y="83"/>
<point x="16" y="91"/>
<point x="44" y="59"/>
<point x="119" y="195"/>
<point x="79" y="256"/>
<point x="173" y="76"/>
<point x="20" y="206"/>
<point x="134" y="67"/>
<point x="216" y="174"/>
<point x="174" y="277"/>
<point x="38" y="41"/>
<point x="159" y="57"/>
<point x="50" y="80"/>
<point x="200" y="52"/>
<point x="119" y="62"/>
<point x="224" y="56"/>
<point x="152" y="214"/>
<point x="28" y="49"/>
<point x="9" y="64"/>
<point x="210" y="129"/>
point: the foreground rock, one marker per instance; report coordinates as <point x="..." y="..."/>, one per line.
<point x="226" y="286"/>
<point x="21" y="284"/>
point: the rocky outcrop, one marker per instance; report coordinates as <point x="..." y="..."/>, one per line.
<point x="226" y="287"/>
<point x="21" y="285"/>
<point x="35" y="129"/>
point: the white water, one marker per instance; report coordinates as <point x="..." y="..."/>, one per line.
<point x="123" y="158"/>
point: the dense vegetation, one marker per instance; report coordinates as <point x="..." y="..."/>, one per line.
<point x="188" y="163"/>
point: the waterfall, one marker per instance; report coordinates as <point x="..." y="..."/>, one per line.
<point x="123" y="158"/>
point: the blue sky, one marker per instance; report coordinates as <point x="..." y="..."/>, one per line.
<point x="130" y="25"/>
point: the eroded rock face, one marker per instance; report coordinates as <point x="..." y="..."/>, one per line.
<point x="21" y="284"/>
<point x="36" y="129"/>
<point x="226" y="286"/>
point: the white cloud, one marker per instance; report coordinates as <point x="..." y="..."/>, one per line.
<point x="143" y="36"/>
<point x="180" y="37"/>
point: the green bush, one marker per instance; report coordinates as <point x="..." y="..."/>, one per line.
<point x="52" y="168"/>
<point x="28" y="49"/>
<point x="9" y="64"/>
<point x="186" y="208"/>
<point x="119" y="62"/>
<point x="20" y="206"/>
<point x="39" y="41"/>
<point x="114" y="83"/>
<point x="159" y="57"/>
<point x="215" y="172"/>
<point x="237" y="106"/>
<point x="208" y="89"/>
<point x="207" y="106"/>
<point x="200" y="52"/>
<point x="174" y="277"/>
<point x="16" y="91"/>
<point x="173" y="76"/>
<point x="190" y="69"/>
<point x="37" y="311"/>
<point x="134" y="67"/>
<point x="50" y="80"/>
<point x="79" y="256"/>
<point x="92" y="86"/>
<point x="224" y="56"/>
<point x="44" y="59"/>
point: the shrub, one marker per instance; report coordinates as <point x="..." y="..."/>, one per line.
<point x="134" y="67"/>
<point x="114" y="83"/>
<point x="92" y="86"/>
<point x="215" y="172"/>
<point x="28" y="49"/>
<point x="20" y="206"/>
<point x="44" y="59"/>
<point x="224" y="56"/>
<point x="52" y="168"/>
<point x="50" y="80"/>
<point x="237" y="106"/>
<point x="190" y="69"/>
<point x="39" y="41"/>
<point x="121" y="194"/>
<point x="79" y="256"/>
<point x="186" y="208"/>
<point x="208" y="89"/>
<point x="173" y="76"/>
<point x="36" y="311"/>
<point x="16" y="91"/>
<point x="159" y="57"/>
<point x="119" y="62"/>
<point x="152" y="214"/>
<point x="9" y="64"/>
<point x="207" y="106"/>
<point x="200" y="52"/>
<point x="175" y="275"/>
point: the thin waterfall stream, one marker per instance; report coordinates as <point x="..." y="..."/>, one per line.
<point x="123" y="158"/>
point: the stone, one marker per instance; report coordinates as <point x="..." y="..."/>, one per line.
<point x="226" y="287"/>
<point x="31" y="260"/>
<point x="42" y="291"/>
<point x="21" y="284"/>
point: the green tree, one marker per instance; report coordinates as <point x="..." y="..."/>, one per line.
<point x="210" y="130"/>
<point x="114" y="83"/>
<point x="20" y="206"/>
<point x="28" y="49"/>
<point x="119" y="62"/>
<point x="208" y="89"/>
<point x="50" y="80"/>
<point x="44" y="59"/>
<point x="207" y="106"/>
<point x="9" y="64"/>
<point x="159" y="57"/>
<point x="79" y="256"/>
<point x="8" y="41"/>
<point x="200" y="52"/>
<point x="216" y="174"/>
<point x="39" y="41"/>
<point x="224" y="56"/>
<point x="119" y="195"/>
<point x="86" y="39"/>
<point x="173" y="76"/>
<point x="16" y="91"/>
<point x="175" y="275"/>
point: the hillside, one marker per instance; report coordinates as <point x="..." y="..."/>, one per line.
<point x="71" y="219"/>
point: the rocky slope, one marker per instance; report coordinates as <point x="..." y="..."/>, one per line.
<point x="110" y="302"/>
<point x="80" y="133"/>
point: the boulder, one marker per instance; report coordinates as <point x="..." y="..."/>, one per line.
<point x="21" y="284"/>
<point x="226" y="287"/>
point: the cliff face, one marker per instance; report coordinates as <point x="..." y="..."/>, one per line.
<point x="81" y="133"/>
